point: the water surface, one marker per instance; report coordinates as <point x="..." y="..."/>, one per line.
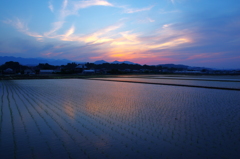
<point x="74" y="118"/>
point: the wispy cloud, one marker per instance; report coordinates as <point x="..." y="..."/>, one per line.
<point x="168" y="12"/>
<point x="84" y="4"/>
<point x="51" y="54"/>
<point x="72" y="7"/>
<point x="22" y="27"/>
<point x="173" y="1"/>
<point x="205" y="56"/>
<point x="55" y="27"/>
<point x="50" y="6"/>
<point x="170" y="44"/>
<point x="145" y="20"/>
<point x="64" y="12"/>
<point x="166" y="26"/>
<point x="150" y="20"/>
<point x="68" y="33"/>
<point x="135" y="10"/>
<point x="101" y="35"/>
<point x="127" y="38"/>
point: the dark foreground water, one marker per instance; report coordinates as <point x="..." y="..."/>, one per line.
<point x="74" y="118"/>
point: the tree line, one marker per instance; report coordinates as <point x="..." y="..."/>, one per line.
<point x="71" y="67"/>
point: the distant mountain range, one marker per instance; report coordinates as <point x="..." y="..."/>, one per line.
<point x="32" y="61"/>
<point x="36" y="61"/>
<point x="99" y="62"/>
<point x="114" y="62"/>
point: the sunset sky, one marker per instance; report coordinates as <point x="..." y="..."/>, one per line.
<point x="191" y="32"/>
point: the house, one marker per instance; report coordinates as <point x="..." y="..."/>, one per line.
<point x="88" y="72"/>
<point x="57" y="70"/>
<point x="46" y="71"/>
<point x="9" y="71"/>
<point x="29" y="72"/>
<point x="127" y="70"/>
<point x="79" y="68"/>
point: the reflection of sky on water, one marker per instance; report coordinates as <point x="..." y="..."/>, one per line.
<point x="100" y="119"/>
<point x="112" y="101"/>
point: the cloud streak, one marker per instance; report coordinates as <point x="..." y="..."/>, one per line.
<point x="135" y="10"/>
<point x="72" y="7"/>
<point x="22" y="27"/>
<point x="50" y="6"/>
<point x="173" y="1"/>
<point x="84" y="4"/>
<point x="55" y="27"/>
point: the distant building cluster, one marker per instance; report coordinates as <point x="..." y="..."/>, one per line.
<point x="10" y="68"/>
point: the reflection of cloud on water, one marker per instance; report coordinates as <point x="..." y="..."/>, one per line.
<point x="110" y="103"/>
<point x="68" y="109"/>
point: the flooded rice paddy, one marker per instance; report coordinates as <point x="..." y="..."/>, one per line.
<point x="76" y="118"/>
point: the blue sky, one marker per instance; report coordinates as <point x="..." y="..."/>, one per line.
<point x="192" y="32"/>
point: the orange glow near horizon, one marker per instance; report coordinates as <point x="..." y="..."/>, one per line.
<point x="126" y="45"/>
